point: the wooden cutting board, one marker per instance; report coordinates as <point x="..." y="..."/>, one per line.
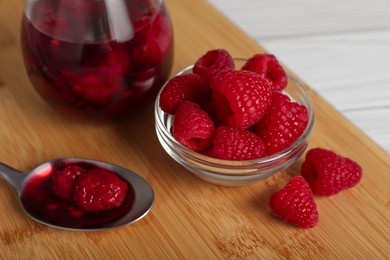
<point x="191" y="219"/>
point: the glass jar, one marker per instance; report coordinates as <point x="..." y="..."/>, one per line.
<point x="97" y="59"/>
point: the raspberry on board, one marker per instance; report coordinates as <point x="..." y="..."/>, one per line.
<point x="294" y="203"/>
<point x="283" y="124"/>
<point x="192" y="127"/>
<point x="243" y="94"/>
<point x="98" y="190"/>
<point x="190" y="87"/>
<point x="236" y="144"/>
<point x="63" y="180"/>
<point x="268" y="66"/>
<point x="213" y="62"/>
<point x="329" y="173"/>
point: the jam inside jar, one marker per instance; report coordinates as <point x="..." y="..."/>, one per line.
<point x="97" y="59"/>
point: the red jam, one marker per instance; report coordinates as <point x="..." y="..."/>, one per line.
<point x="84" y="64"/>
<point x="81" y="195"/>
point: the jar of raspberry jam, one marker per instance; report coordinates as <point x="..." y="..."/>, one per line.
<point x="97" y="59"/>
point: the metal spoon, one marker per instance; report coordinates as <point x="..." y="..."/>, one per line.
<point x="143" y="192"/>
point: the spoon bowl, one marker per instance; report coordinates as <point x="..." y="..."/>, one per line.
<point x="141" y="201"/>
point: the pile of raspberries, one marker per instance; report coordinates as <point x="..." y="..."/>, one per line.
<point x="230" y="113"/>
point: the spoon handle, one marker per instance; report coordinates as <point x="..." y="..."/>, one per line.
<point x="13" y="176"/>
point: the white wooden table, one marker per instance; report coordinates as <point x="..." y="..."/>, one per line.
<point x="340" y="48"/>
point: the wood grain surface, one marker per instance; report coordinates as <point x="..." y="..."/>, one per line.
<point x="191" y="219"/>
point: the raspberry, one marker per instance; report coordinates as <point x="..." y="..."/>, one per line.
<point x="192" y="127"/>
<point x="117" y="63"/>
<point x="191" y="87"/>
<point x="218" y="108"/>
<point x="294" y="203"/>
<point x="213" y="62"/>
<point x="328" y="173"/>
<point x="63" y="181"/>
<point x="268" y="66"/>
<point x="98" y="190"/>
<point x="94" y="89"/>
<point x="245" y="93"/>
<point x="283" y="124"/>
<point x="236" y="144"/>
<point x="159" y="39"/>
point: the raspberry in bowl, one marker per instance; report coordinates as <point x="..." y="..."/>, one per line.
<point x="234" y="121"/>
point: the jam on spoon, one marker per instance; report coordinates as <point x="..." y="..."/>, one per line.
<point x="81" y="194"/>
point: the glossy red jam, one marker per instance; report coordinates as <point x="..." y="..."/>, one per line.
<point x="40" y="201"/>
<point x="95" y="61"/>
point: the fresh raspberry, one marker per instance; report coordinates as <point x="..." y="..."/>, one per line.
<point x="283" y="124"/>
<point x="218" y="108"/>
<point x="98" y="190"/>
<point x="294" y="203"/>
<point x="236" y="144"/>
<point x="247" y="94"/>
<point x="213" y="62"/>
<point x="268" y="66"/>
<point x="191" y="87"/>
<point x="192" y="127"/>
<point x="329" y="173"/>
<point x="63" y="180"/>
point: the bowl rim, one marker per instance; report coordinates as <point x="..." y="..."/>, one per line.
<point x="159" y="116"/>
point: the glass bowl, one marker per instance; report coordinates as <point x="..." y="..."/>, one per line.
<point x="235" y="173"/>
